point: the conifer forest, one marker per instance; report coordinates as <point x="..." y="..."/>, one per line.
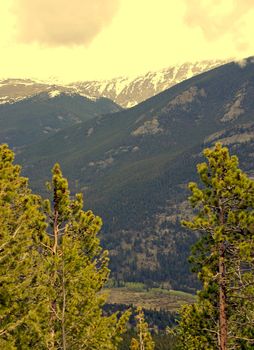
<point x="55" y="274"/>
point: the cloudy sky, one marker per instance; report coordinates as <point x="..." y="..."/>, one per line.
<point x="98" y="39"/>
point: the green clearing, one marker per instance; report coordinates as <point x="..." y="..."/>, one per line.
<point x="152" y="299"/>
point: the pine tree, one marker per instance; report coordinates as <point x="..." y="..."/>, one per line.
<point x="223" y="317"/>
<point x="144" y="339"/>
<point x="21" y="228"/>
<point x="52" y="269"/>
<point x="77" y="272"/>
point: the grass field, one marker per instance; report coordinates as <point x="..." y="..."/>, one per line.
<point x="154" y="298"/>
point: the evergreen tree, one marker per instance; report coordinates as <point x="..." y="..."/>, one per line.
<point x="21" y="228"/>
<point x="52" y="269"/>
<point x="223" y="317"/>
<point x="144" y="339"/>
<point x="77" y="271"/>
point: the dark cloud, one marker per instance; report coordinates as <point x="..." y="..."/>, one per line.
<point x="62" y="22"/>
<point x="215" y="23"/>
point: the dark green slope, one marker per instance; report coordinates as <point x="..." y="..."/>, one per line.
<point x="37" y="117"/>
<point x="134" y="165"/>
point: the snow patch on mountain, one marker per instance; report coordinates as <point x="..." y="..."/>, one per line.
<point x="54" y="93"/>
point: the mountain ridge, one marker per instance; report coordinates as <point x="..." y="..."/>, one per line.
<point x="124" y="91"/>
<point x="33" y="118"/>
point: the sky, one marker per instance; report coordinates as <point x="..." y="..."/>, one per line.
<point x="101" y="39"/>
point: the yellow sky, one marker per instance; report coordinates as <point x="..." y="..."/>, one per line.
<point x="97" y="39"/>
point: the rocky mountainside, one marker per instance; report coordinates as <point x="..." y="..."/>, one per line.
<point x="124" y="91"/>
<point x="134" y="165"/>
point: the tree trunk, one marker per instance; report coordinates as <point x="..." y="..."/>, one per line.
<point x="53" y="278"/>
<point x="63" y="307"/>
<point x="141" y="341"/>
<point x="222" y="300"/>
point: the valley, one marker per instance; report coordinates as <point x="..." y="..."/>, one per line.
<point x="133" y="165"/>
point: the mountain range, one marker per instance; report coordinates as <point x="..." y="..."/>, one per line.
<point x="133" y="165"/>
<point x="124" y="91"/>
<point x="128" y="92"/>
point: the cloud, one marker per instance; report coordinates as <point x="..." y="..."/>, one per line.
<point x="219" y="17"/>
<point x="62" y="22"/>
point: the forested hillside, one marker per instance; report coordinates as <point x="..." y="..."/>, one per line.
<point x="134" y="166"/>
<point x="35" y="118"/>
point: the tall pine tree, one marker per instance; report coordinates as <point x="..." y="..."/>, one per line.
<point x="223" y="317"/>
<point x="21" y="229"/>
<point x="77" y="270"/>
<point x="52" y="269"/>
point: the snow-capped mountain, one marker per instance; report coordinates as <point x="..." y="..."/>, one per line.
<point x="124" y="91"/>
<point x="14" y="90"/>
<point x="128" y="92"/>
